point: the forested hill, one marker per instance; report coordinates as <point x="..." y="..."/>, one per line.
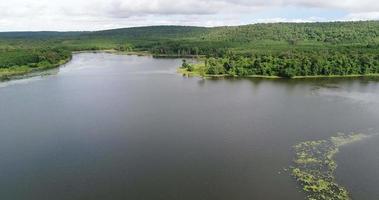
<point x="38" y="35"/>
<point x="274" y="37"/>
<point x="263" y="44"/>
<point x="240" y="37"/>
<point x="153" y="32"/>
<point x="332" y="32"/>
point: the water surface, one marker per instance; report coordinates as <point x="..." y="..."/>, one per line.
<point x="127" y="127"/>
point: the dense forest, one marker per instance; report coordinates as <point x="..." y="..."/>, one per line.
<point x="291" y="64"/>
<point x="277" y="49"/>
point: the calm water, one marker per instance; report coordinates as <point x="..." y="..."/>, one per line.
<point x="112" y="127"/>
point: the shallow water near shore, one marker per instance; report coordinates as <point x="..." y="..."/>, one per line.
<point x="129" y="127"/>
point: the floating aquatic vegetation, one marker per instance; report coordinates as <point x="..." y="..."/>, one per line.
<point x="314" y="167"/>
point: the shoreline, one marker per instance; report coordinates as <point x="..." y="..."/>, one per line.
<point x="195" y="73"/>
<point x="20" y="72"/>
<point x="138" y="53"/>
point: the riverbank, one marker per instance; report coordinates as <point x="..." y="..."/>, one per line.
<point x="19" y="71"/>
<point x="196" y="73"/>
<point x="141" y="53"/>
<point x="199" y="71"/>
<point x="114" y="51"/>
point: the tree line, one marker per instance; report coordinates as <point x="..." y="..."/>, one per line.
<point x="291" y="64"/>
<point x="32" y="57"/>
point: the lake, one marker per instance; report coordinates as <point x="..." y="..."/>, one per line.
<point x="118" y="127"/>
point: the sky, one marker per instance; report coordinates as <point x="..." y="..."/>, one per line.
<point x="89" y="15"/>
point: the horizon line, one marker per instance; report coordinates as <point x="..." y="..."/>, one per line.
<point x="173" y="25"/>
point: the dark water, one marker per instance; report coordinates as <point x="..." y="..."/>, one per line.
<point x="125" y="127"/>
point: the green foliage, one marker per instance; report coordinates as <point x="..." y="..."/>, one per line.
<point x="17" y="62"/>
<point x="32" y="57"/>
<point x="214" y="67"/>
<point x="293" y="33"/>
<point x="291" y="64"/>
<point x="187" y="66"/>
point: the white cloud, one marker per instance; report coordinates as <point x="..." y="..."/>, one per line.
<point x="363" y="16"/>
<point x="280" y="19"/>
<point x="101" y="14"/>
<point x="348" y="5"/>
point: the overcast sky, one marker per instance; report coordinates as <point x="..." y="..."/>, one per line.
<point x="63" y="15"/>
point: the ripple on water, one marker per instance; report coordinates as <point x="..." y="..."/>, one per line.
<point x="369" y="97"/>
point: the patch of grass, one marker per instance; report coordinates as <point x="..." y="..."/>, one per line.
<point x="194" y="70"/>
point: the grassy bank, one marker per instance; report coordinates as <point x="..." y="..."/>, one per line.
<point x="18" y="71"/>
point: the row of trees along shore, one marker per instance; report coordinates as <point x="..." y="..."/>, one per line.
<point x="291" y="64"/>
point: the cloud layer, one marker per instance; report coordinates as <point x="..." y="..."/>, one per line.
<point x="102" y="14"/>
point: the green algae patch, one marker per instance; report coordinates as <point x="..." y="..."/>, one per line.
<point x="314" y="167"/>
